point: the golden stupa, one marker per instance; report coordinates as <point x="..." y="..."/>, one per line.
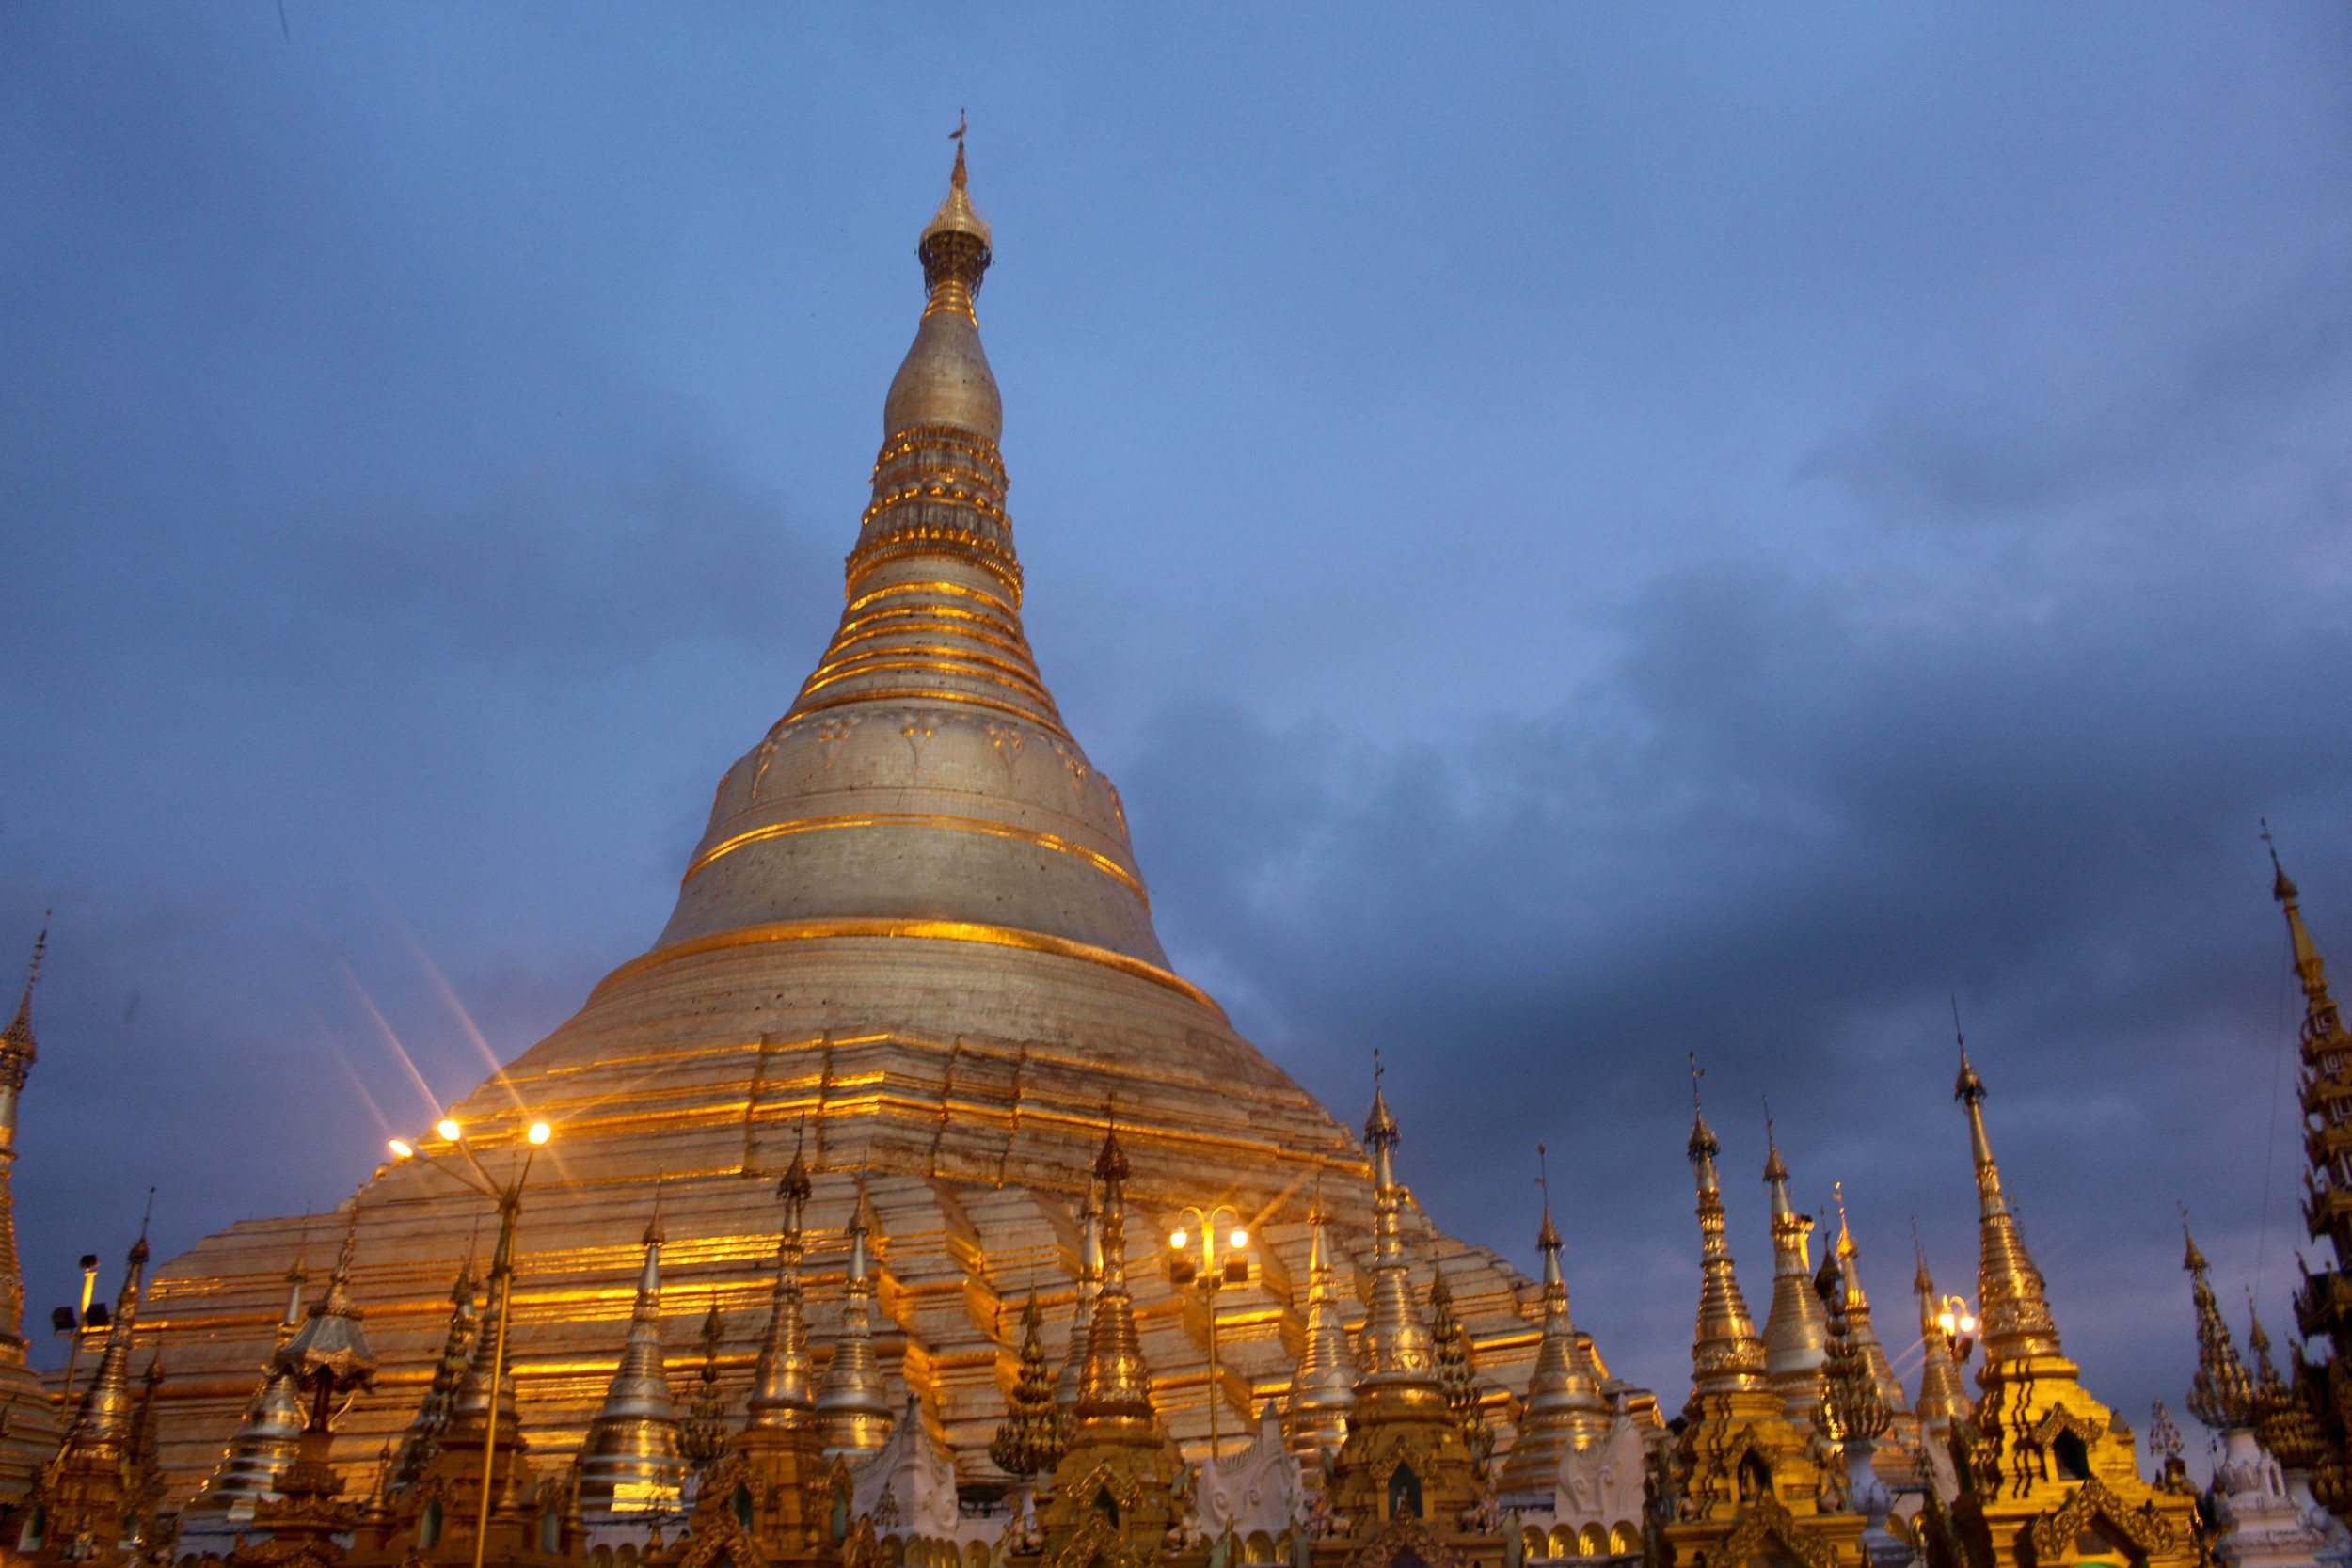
<point x="914" y="942"/>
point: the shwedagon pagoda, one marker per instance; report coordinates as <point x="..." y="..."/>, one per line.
<point x="902" y="1207"/>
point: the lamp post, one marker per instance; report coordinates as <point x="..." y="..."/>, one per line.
<point x="69" y="1325"/>
<point x="1959" y="1327"/>
<point x="509" y="1198"/>
<point x="1211" y="1275"/>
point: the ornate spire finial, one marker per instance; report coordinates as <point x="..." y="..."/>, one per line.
<point x="1090" y="1283"/>
<point x="781" y="1376"/>
<point x="19" y="1035"/>
<point x="1565" y="1408"/>
<point x="633" y="1440"/>
<point x="796" y="1187"/>
<point x="1852" y="1407"/>
<point x="1113" y="1382"/>
<point x="2321" y="1021"/>
<point x="1725" y="1353"/>
<point x="1323" y="1390"/>
<point x="2015" y="1313"/>
<point x="1941" y="1397"/>
<point x="1547" y="1238"/>
<point x="1796" y="1332"/>
<point x="1029" y="1438"/>
<point x="1774" y="1168"/>
<point x="703" y="1436"/>
<point x="1703" y="1144"/>
<point x="853" y="1403"/>
<point x="955" y="247"/>
<point x="2222" y="1396"/>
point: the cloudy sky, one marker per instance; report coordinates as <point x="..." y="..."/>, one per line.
<point x="1585" y="534"/>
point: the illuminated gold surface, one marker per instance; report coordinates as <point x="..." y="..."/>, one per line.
<point x="2035" y="1422"/>
<point x="960" y="824"/>
<point x="941" y="1013"/>
<point x="929" y="930"/>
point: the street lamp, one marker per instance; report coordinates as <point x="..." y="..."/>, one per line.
<point x="1959" y="1327"/>
<point x="510" y="1201"/>
<point x="1212" y="1275"/>
<point x="69" y="1325"/>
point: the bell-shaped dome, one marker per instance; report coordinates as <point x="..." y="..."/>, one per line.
<point x="924" y="773"/>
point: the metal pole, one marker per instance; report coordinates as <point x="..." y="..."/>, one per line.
<point x="1208" y="1294"/>
<point x="502" y="1280"/>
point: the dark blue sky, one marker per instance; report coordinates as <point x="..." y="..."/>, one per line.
<point x="1584" y="533"/>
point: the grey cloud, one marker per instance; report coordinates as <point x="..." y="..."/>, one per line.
<point x="1782" y="840"/>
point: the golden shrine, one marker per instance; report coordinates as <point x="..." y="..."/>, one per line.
<point x="902" y="1110"/>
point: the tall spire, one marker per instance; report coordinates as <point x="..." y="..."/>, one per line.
<point x="1082" y="1308"/>
<point x="1859" y="1326"/>
<point x="1399" y="1355"/>
<point x="1029" y="1438"/>
<point x="781" y="1377"/>
<point x="1565" y="1408"/>
<point x="29" y="1420"/>
<point x="1323" y="1390"/>
<point x="2323" y="1301"/>
<point x="102" y="1425"/>
<point x="1796" y="1336"/>
<point x="1114" y="1384"/>
<point x="422" y="1439"/>
<point x="17" y="1056"/>
<point x="1455" y="1374"/>
<point x="631" y="1454"/>
<point x="2222" y="1396"/>
<point x="2016" y="1317"/>
<point x="852" y="1404"/>
<point x="1851" y="1407"/>
<point x="1942" y="1399"/>
<point x="703" y="1436"/>
<point x="1725" y="1353"/>
<point x="2284" y="1424"/>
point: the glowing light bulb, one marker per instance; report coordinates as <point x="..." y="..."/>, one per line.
<point x="1178" y="1237"/>
<point x="1968" y="1324"/>
<point x="540" y="1132"/>
<point x="447" y="1129"/>
<point x="1240" y="1238"/>
<point x="401" y="1151"/>
<point x="1946" y="1323"/>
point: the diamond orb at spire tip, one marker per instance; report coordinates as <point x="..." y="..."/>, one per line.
<point x="957" y="215"/>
